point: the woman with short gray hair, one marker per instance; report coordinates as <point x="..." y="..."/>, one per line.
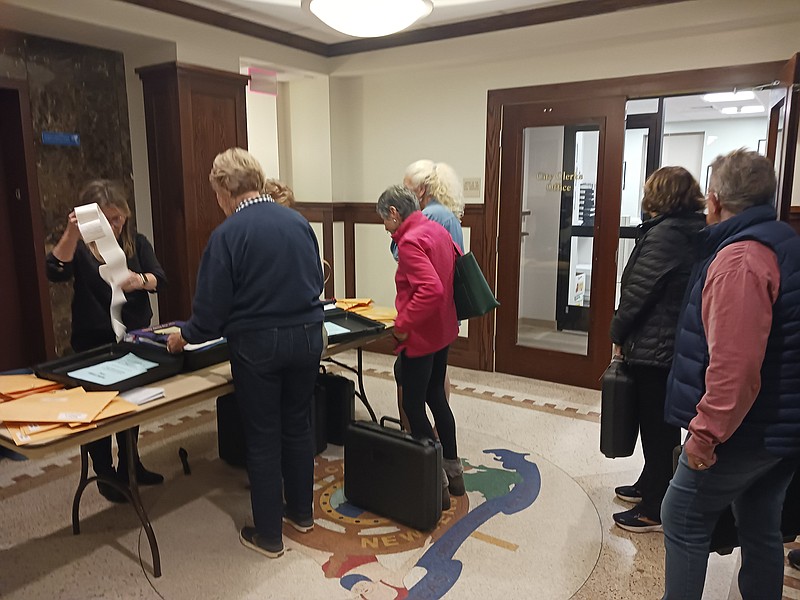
<point x="426" y="323"/>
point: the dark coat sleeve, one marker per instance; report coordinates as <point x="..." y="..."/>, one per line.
<point x="58" y="271"/>
<point x="149" y="263"/>
<point x="657" y="255"/>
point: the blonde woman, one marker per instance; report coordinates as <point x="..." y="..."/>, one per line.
<point x="259" y="285"/>
<point x="72" y="259"/>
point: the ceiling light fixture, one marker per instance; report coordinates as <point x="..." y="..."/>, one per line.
<point x="369" y="18"/>
<point x="729" y="96"/>
<point x="742" y="110"/>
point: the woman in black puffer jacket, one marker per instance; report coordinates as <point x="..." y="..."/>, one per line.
<point x="643" y="329"/>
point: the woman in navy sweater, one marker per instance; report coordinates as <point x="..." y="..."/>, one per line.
<point x="259" y="285"/>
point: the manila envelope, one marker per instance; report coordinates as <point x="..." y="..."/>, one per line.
<point x="63" y="406"/>
<point x="115" y="408"/>
<point x="16" y="386"/>
<point x="20" y="438"/>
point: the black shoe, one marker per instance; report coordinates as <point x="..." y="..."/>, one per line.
<point x="111" y="493"/>
<point x="250" y="538"/>
<point x="628" y="493"/>
<point x="302" y="525"/>
<point x="794" y="558"/>
<point x="143" y="476"/>
<point x="636" y="521"/>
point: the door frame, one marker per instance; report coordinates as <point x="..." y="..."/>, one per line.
<point x="28" y="227"/>
<point x="643" y="86"/>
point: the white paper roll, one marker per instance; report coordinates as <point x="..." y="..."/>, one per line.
<point x="94" y="227"/>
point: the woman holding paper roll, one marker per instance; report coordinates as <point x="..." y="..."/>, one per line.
<point x="72" y="259"/>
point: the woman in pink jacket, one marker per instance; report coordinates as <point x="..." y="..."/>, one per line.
<point x="426" y="323"/>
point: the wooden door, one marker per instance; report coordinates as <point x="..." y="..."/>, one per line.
<point x="782" y="135"/>
<point x="26" y="326"/>
<point x="560" y="181"/>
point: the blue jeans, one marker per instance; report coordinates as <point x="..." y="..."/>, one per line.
<point x="754" y="483"/>
<point x="274" y="371"/>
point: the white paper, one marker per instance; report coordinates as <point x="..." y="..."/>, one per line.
<point x="333" y="329"/>
<point x="94" y="227"/>
<point x="190" y="347"/>
<point x="113" y="371"/>
<point x="143" y="394"/>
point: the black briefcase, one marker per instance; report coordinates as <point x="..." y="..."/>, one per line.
<point x="340" y="393"/>
<point x="230" y="433"/>
<point x="394" y="475"/>
<point x="619" y="423"/>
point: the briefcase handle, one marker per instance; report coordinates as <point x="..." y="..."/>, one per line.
<point x="391" y="420"/>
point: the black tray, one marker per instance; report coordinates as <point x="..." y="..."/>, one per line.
<point x="168" y="365"/>
<point x="356" y="325"/>
<point x="205" y="357"/>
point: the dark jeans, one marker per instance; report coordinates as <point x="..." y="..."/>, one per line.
<point x="274" y="371"/>
<point x="423" y="383"/>
<point x="755" y="483"/>
<point x="658" y="437"/>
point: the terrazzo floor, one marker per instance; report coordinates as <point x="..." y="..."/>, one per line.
<point x="535" y="524"/>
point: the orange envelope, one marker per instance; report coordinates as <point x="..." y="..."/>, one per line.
<point x="20" y="438"/>
<point x="62" y="406"/>
<point x="351" y="303"/>
<point x="34" y="428"/>
<point x="116" y="407"/>
<point x="17" y="386"/>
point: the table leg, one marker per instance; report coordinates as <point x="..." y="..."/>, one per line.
<point x="362" y="395"/>
<point x="131" y="492"/>
<point x="84" y="481"/>
<point x="136" y="500"/>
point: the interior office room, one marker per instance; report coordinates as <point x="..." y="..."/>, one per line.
<point x="155" y="89"/>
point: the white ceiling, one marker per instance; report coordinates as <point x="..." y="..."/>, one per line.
<point x="287" y="15"/>
<point x="694" y="108"/>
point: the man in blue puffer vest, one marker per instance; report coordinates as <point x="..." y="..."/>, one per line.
<point x="735" y="384"/>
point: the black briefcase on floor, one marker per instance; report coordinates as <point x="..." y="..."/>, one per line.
<point x="394" y="475"/>
<point x="230" y="432"/>
<point x="340" y="393"/>
<point x="619" y="424"/>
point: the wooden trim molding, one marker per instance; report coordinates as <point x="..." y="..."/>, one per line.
<point x="525" y="18"/>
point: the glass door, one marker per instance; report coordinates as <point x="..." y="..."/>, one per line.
<point x="560" y="177"/>
<point x="782" y="134"/>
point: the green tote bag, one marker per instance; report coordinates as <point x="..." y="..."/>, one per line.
<point x="471" y="292"/>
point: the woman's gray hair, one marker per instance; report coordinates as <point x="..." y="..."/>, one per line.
<point x="401" y="198"/>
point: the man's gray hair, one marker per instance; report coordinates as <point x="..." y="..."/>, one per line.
<point x="742" y="179"/>
<point x="401" y="198"/>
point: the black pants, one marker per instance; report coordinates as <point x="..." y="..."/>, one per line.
<point x="102" y="459"/>
<point x="658" y="438"/>
<point x="423" y="384"/>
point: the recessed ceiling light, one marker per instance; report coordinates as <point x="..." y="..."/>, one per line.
<point x="730" y="110"/>
<point x="729" y="96"/>
<point x="750" y="109"/>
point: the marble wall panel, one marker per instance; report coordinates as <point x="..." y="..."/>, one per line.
<point x="73" y="89"/>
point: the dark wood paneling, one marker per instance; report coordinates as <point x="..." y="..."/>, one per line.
<point x="322" y="212"/>
<point x="231" y="23"/>
<point x="794" y="218"/>
<point x="525" y="18"/>
<point x="789" y="77"/>
<point x="514" y="20"/>
<point x="24" y="222"/>
<point x="191" y="115"/>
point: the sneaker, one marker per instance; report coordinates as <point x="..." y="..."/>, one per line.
<point x="794" y="558"/>
<point x="633" y="520"/>
<point x="301" y="525"/>
<point x="250" y="538"/>
<point x="628" y="493"/>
